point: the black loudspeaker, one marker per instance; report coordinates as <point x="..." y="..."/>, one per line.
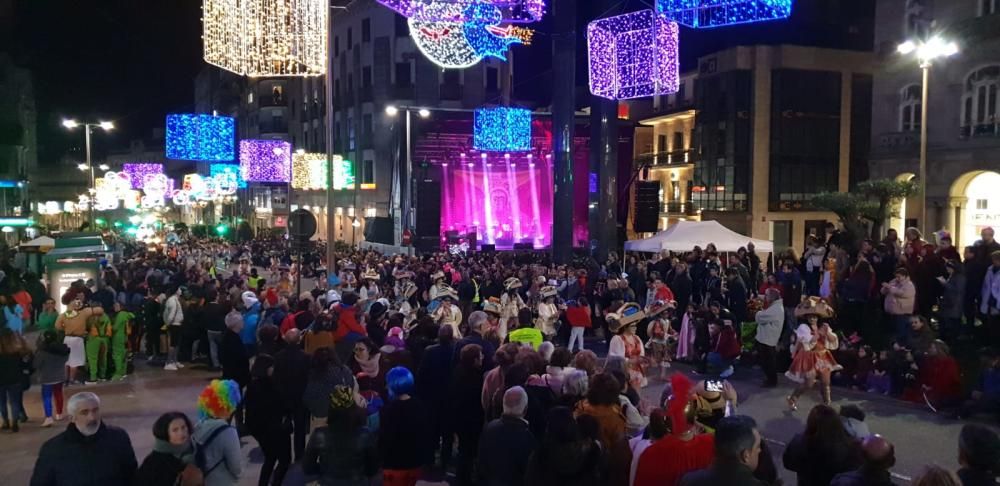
<point x="647" y="206"/>
<point x="427" y="244"/>
<point x="379" y="230"/>
<point x="524" y="246"/>
<point x="451" y="237"/>
<point x="473" y="239"/>
<point x="429" y="209"/>
<point x="488" y="248"/>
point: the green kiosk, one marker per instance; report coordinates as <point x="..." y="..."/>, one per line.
<point x="76" y="256"/>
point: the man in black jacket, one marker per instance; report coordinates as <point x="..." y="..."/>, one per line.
<point x="506" y="444"/>
<point x="290" y="365"/>
<point x="477" y="320"/>
<point x="433" y="378"/>
<point x="737" y="451"/>
<point x="213" y="320"/>
<point x="88" y="452"/>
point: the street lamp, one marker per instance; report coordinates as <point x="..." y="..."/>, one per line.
<point x="87" y="128"/>
<point x="407" y="198"/>
<point x="926" y="52"/>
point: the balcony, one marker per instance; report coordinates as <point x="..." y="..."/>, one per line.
<point x="274" y="126"/>
<point x="270" y="100"/>
<point x="981" y="130"/>
<point x="677" y="158"/>
<point x="898" y="141"/>
<point x="679" y="208"/>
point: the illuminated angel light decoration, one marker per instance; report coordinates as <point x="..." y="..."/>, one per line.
<point x="309" y="171"/>
<point x="201" y="137"/>
<point x="719" y="13"/>
<point x="137" y="171"/>
<point x="502" y="129"/>
<point x="262" y="38"/>
<point x="233" y="169"/>
<point x="461" y="44"/>
<point x="633" y="56"/>
<point x="513" y="11"/>
<point x="265" y="160"/>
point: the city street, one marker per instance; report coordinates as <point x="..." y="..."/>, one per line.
<point x="919" y="436"/>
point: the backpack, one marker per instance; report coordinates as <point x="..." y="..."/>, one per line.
<point x="199" y="451"/>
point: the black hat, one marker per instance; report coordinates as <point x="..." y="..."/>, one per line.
<point x="376" y="310"/>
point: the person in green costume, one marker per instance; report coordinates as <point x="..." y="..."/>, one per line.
<point x="47" y="317"/>
<point x="98" y="332"/>
<point x="121" y="327"/>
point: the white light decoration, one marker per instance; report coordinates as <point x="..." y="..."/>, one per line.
<point x="461" y="44"/>
<point x="309" y="171"/>
<point x="444" y="43"/>
<point x="261" y="38"/>
<point x="111" y="188"/>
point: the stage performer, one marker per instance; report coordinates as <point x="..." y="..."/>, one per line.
<point x="548" y="312"/>
<point x="662" y="338"/>
<point x="510" y="304"/>
<point x="626" y="344"/>
<point x="812" y="359"/>
<point x="448" y="314"/>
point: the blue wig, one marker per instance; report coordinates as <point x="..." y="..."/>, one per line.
<point x="399" y="381"/>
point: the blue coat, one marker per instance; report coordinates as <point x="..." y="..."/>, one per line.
<point x="251" y="317"/>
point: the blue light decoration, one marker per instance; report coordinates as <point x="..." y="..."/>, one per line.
<point x="702" y="14"/>
<point x="633" y="55"/>
<point x="201" y="137"/>
<point x="481" y="32"/>
<point x="513" y="11"/>
<point x="216" y="169"/>
<point x="502" y="129"/>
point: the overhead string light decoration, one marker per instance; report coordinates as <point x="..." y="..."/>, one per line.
<point x="502" y="129"/>
<point x="719" y="13"/>
<point x="201" y="137"/>
<point x="217" y="169"/>
<point x="261" y="38"/>
<point x="309" y="171"/>
<point x="265" y="160"/>
<point x="633" y="55"/>
<point x="137" y="172"/>
<point x="511" y="11"/>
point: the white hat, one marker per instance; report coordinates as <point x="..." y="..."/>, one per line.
<point x="249" y="299"/>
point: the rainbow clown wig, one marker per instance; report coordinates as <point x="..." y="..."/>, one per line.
<point x="219" y="399"/>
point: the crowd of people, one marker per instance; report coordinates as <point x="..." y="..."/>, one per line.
<point x="384" y="362"/>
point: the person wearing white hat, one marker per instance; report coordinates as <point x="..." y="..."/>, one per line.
<point x="510" y="304"/>
<point x="448" y="314"/>
<point x="548" y="312"/>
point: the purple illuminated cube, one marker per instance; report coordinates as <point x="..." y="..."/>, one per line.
<point x="265" y="160"/>
<point x="701" y="14"/>
<point x="633" y="56"/>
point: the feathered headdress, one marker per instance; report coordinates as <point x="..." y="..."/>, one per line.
<point x="676" y="406"/>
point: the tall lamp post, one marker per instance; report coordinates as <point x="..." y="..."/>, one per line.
<point x="87" y="128"/>
<point x="407" y="195"/>
<point x="926" y="52"/>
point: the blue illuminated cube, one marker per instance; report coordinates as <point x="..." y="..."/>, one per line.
<point x="719" y="13"/>
<point x="633" y="56"/>
<point x="502" y="129"/>
<point x="201" y="137"/>
<point x="216" y="169"/>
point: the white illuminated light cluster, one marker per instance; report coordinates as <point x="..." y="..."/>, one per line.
<point x="197" y="187"/>
<point x="929" y="50"/>
<point x="112" y="188"/>
<point x="261" y="38"/>
<point x="309" y="171"/>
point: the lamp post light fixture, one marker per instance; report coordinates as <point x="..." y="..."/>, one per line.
<point x="407" y="194"/>
<point x="926" y="52"/>
<point x="87" y="128"/>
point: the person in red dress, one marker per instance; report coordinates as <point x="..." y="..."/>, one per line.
<point x="686" y="449"/>
<point x="813" y="359"/>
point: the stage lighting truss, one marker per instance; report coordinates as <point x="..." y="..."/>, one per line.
<point x="265" y="160"/>
<point x="200" y="137"/>
<point x="262" y="38"/>
<point x="502" y="129"/>
<point x="511" y="11"/>
<point x="719" y="13"/>
<point x="634" y="55"/>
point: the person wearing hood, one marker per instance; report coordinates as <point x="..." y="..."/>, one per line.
<point x="265" y="418"/>
<point x="87" y="452"/>
<point x="365" y="363"/>
<point x="251" y="318"/>
<point x="219" y="441"/>
<point x="375" y="323"/>
<point x="565" y="455"/>
<point x="172" y="460"/>
<point x="49" y="363"/>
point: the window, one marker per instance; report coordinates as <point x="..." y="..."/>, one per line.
<point x="336" y="136"/>
<point x="336" y="45"/>
<point x="350" y="84"/>
<point x="366" y="30"/>
<point x="403" y="74"/>
<point x="368" y="126"/>
<point x="988" y="7"/>
<point x="350" y="37"/>
<point x="366" y="77"/>
<point x="980" y="102"/>
<point x="492" y="79"/>
<point x="681" y="94"/>
<point x="250" y="98"/>
<point x="368" y="173"/>
<point x="982" y="204"/>
<point x="336" y="89"/>
<point x="661" y="143"/>
<point x="451" y="77"/>
<point x="402" y="28"/>
<point x="678" y="142"/>
<point x="350" y="133"/>
<point x="909" y="108"/>
<point x="914" y="23"/>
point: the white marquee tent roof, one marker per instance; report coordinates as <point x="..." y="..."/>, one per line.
<point x="685" y="235"/>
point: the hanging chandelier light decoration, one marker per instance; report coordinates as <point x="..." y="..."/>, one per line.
<point x="266" y="38"/>
<point x="701" y="14"/>
<point x="633" y="55"/>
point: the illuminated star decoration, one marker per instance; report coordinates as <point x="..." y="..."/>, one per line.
<point x="266" y="37"/>
<point x="137" y="171"/>
<point x="216" y="169"/>
<point x="502" y="129"/>
<point x="201" y="137"/>
<point x="513" y="11"/>
<point x="309" y="171"/>
<point x="265" y="160"/>
<point x="719" y="13"/>
<point x="478" y="32"/>
<point x="633" y="55"/>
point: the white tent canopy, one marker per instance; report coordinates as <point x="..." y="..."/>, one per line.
<point x="685" y="235"/>
<point x="41" y="241"/>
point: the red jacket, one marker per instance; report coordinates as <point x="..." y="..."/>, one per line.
<point x="665" y="461"/>
<point x="347" y="322"/>
<point x="725" y="343"/>
<point x="578" y="317"/>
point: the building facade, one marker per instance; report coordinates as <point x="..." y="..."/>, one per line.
<point x="963" y="133"/>
<point x="766" y="128"/>
<point x="18" y="135"/>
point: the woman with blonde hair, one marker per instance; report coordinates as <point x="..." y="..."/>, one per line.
<point x="936" y="476"/>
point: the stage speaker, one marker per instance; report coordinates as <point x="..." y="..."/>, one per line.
<point x="379" y="230"/>
<point x="647" y="206"/>
<point x="473" y="240"/>
<point x="427" y="244"/>
<point x="488" y="248"/>
<point x="452" y="237"/>
<point x="429" y="209"/>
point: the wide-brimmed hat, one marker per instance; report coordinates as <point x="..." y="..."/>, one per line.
<point x="492" y="306"/>
<point x="548" y="291"/>
<point x="512" y="283"/>
<point x="627" y="315"/>
<point x="408" y="289"/>
<point x="446" y="292"/>
<point x="656" y="308"/>
<point x="404" y="274"/>
<point x="813" y="306"/>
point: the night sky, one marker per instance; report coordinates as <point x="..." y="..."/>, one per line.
<point x="133" y="61"/>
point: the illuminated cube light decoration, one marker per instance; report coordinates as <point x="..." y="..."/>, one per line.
<point x="720" y="13"/>
<point x="502" y="129"/>
<point x="513" y="11"/>
<point x="263" y="38"/>
<point x="201" y="137"/>
<point x="216" y="169"/>
<point x="633" y="56"/>
<point x="343" y="173"/>
<point x="309" y="171"/>
<point x="265" y="160"/>
<point x="137" y="172"/>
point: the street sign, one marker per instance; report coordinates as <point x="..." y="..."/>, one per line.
<point x="301" y="224"/>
